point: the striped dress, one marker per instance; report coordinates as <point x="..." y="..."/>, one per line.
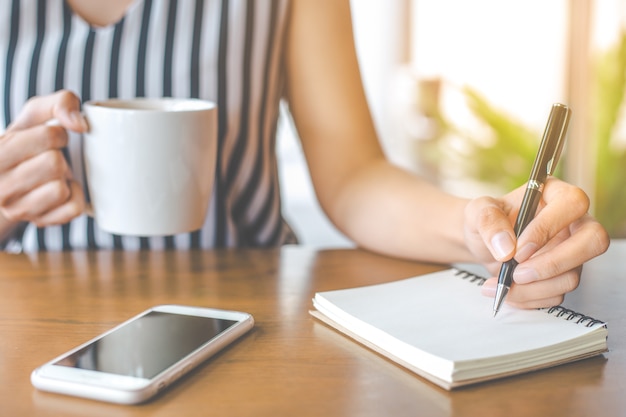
<point x="227" y="51"/>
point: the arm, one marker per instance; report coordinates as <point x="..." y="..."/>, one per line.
<point x="388" y="210"/>
<point x="378" y="205"/>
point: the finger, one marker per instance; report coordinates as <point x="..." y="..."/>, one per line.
<point x="562" y="205"/>
<point x="545" y="293"/>
<point x="62" y="105"/>
<point x="540" y="303"/>
<point x="31" y="174"/>
<point x="586" y="239"/>
<point x="492" y="226"/>
<point x="39" y="201"/>
<point x="17" y="147"/>
<point x="73" y="207"/>
<point x="539" y="294"/>
<point x="495" y="267"/>
<point x="489" y="290"/>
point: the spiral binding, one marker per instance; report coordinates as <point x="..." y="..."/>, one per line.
<point x="558" y="311"/>
<point x="571" y="315"/>
<point x="471" y="277"/>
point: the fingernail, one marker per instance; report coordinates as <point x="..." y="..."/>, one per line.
<point x="489" y="288"/>
<point x="525" y="275"/>
<point x="502" y="245"/>
<point x="525" y="252"/>
<point x="77" y="117"/>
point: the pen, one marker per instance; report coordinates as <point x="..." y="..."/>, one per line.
<point x="544" y="165"/>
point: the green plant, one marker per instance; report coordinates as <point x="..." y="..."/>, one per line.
<point x="609" y="87"/>
<point x="507" y="158"/>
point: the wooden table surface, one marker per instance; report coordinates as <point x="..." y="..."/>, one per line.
<point x="290" y="364"/>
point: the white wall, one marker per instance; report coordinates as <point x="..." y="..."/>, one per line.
<point x="512" y="51"/>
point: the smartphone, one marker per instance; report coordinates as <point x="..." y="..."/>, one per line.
<point x="137" y="359"/>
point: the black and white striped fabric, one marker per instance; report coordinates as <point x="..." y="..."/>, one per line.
<point x="228" y="51"/>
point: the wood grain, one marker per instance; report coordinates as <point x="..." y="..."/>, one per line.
<point x="290" y="364"/>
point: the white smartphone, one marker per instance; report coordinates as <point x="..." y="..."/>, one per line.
<point x="134" y="361"/>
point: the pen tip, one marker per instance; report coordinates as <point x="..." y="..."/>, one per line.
<point x="501" y="292"/>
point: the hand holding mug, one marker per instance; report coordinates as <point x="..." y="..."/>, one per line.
<point x="36" y="183"/>
<point x="149" y="163"/>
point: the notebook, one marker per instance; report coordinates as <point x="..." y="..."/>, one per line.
<point x="442" y="328"/>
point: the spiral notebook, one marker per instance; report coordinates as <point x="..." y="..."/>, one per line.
<point x="442" y="328"/>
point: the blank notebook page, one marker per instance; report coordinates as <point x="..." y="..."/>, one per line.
<point x="446" y="315"/>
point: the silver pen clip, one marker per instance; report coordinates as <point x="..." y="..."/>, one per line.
<point x="552" y="142"/>
<point x="554" y="136"/>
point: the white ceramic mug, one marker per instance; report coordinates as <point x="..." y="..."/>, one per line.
<point x="150" y="164"/>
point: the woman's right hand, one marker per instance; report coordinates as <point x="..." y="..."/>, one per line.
<point x="36" y="182"/>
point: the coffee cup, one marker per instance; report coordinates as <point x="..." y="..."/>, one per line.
<point x="150" y="164"/>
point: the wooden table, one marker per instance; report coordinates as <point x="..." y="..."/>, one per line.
<point x="290" y="364"/>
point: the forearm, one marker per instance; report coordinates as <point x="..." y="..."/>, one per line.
<point x="379" y="206"/>
<point x="388" y="210"/>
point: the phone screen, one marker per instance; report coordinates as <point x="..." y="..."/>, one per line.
<point x="148" y="345"/>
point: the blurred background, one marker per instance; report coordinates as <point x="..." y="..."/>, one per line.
<point x="461" y="91"/>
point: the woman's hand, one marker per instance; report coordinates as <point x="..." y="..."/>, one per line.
<point x="36" y="183"/>
<point x="550" y="251"/>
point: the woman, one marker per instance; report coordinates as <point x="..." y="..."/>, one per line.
<point x="246" y="56"/>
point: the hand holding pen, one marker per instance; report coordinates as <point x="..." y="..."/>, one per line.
<point x="551" y="241"/>
<point x="544" y="166"/>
